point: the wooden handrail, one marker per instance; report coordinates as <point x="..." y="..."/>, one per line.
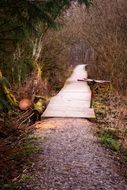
<point x="94" y="81"/>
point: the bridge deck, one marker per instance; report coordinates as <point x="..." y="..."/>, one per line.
<point x="74" y="99"/>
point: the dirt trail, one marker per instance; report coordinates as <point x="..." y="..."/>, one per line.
<point x="72" y="159"/>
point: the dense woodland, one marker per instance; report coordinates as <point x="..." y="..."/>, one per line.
<point x="40" y="43"/>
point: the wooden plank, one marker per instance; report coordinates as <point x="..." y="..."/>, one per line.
<point x="88" y="113"/>
<point x="62" y="107"/>
<point x="73" y="100"/>
<point x="75" y="96"/>
<point x="70" y="103"/>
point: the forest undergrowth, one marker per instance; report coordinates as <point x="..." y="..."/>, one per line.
<point x="111" y="120"/>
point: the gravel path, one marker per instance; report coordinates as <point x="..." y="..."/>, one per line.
<point x="72" y="159"/>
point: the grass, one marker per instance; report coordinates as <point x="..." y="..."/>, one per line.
<point x="110" y="141"/>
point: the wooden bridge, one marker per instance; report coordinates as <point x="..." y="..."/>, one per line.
<point x="74" y="99"/>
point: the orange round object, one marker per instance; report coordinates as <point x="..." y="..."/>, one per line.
<point x="25" y="104"/>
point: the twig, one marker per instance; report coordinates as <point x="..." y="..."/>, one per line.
<point x="26" y="119"/>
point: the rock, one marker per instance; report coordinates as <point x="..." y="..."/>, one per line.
<point x="25" y="104"/>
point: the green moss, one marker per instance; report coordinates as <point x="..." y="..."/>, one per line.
<point x="110" y="141"/>
<point x="24" y="178"/>
<point x="16" y="185"/>
<point x="28" y="147"/>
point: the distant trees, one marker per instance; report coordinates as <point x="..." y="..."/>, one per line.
<point x="105" y="28"/>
